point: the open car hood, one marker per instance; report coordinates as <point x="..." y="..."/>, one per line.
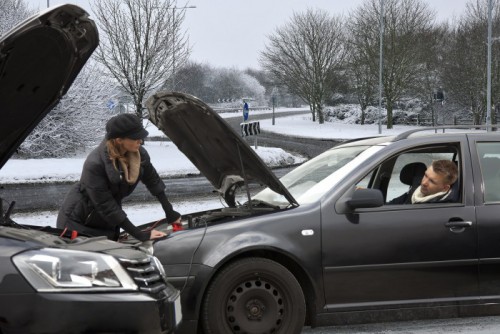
<point x="210" y="143"/>
<point x="39" y="59"/>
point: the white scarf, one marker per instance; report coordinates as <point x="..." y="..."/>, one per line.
<point x="418" y="197"/>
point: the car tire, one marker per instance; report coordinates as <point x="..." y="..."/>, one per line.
<point x="254" y="295"/>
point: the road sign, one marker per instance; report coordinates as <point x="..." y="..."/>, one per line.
<point x="250" y="129"/>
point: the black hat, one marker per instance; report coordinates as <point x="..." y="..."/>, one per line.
<point x="125" y="126"/>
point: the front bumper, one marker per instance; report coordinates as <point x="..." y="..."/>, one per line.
<point x="192" y="282"/>
<point x="90" y="313"/>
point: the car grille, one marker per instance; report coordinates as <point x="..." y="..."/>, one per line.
<point x="145" y="274"/>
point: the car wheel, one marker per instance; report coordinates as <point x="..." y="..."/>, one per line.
<point x="254" y="295"/>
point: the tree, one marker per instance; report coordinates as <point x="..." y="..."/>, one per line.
<point x="11" y="13"/>
<point x="465" y="67"/>
<point x="407" y="23"/>
<point x="305" y="56"/>
<point x="362" y="68"/>
<point x="143" y="43"/>
<point x="212" y="84"/>
<point x="77" y="122"/>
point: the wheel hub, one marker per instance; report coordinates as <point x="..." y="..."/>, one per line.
<point x="255" y="306"/>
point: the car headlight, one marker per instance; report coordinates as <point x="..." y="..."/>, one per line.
<point x="56" y="270"/>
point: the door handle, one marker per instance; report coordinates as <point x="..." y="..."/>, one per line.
<point x="458" y="224"/>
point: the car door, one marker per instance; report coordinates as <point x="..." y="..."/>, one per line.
<point x="402" y="255"/>
<point x="486" y="162"/>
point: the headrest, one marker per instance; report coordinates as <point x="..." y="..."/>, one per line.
<point x="412" y="171"/>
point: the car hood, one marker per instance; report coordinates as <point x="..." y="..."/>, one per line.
<point x="210" y="143"/>
<point x="36" y="237"/>
<point x="39" y="59"/>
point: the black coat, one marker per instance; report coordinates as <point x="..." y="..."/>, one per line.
<point x="94" y="205"/>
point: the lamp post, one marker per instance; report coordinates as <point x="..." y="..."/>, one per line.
<point x="173" y="42"/>
<point x="380" y="66"/>
<point x="48" y="3"/>
<point x="488" y="80"/>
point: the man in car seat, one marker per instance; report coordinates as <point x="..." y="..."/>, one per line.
<point x="435" y="186"/>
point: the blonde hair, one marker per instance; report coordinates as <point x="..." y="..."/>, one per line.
<point x="114" y="152"/>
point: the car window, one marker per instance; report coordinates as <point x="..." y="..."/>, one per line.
<point x="311" y="180"/>
<point x="489" y="159"/>
<point x="387" y="176"/>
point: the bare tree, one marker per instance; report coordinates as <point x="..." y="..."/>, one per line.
<point x="11" y="13"/>
<point x="362" y="64"/>
<point x="465" y="73"/>
<point x="406" y="25"/>
<point x="212" y="84"/>
<point x="142" y="44"/>
<point x="77" y="122"/>
<point x="305" y="56"/>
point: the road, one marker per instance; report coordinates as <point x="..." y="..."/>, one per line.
<point x="308" y="147"/>
<point x="44" y="196"/>
<point x="478" y="325"/>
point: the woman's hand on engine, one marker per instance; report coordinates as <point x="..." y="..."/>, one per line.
<point x="155" y="234"/>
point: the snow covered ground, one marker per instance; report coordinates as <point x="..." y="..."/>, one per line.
<point x="169" y="162"/>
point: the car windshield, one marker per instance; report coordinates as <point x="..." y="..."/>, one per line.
<point x="311" y="180"/>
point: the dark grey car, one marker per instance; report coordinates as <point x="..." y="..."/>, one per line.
<point x="322" y="245"/>
<point x="52" y="281"/>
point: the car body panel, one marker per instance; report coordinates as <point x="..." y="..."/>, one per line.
<point x="487" y="217"/>
<point x="39" y="59"/>
<point x="218" y="152"/>
<point x="43" y="288"/>
<point x="403" y="249"/>
<point x="398" y="261"/>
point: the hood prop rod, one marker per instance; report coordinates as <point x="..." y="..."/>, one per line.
<point x="249" y="203"/>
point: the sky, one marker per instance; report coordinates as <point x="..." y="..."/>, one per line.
<point x="232" y="33"/>
<point x="169" y="161"/>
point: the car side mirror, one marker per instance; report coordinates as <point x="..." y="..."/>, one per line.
<point x="365" y="198"/>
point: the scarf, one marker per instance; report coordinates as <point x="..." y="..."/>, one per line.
<point x="131" y="166"/>
<point x="417" y="196"/>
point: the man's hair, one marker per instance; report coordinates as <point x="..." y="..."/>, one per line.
<point x="446" y="168"/>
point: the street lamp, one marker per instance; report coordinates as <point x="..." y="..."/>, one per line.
<point x="380" y="66"/>
<point x="173" y="42"/>
<point x="488" y="83"/>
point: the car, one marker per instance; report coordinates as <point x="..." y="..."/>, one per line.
<point x="322" y="245"/>
<point x="55" y="281"/>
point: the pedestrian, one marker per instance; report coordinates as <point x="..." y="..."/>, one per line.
<point x="245" y="111"/>
<point x="110" y="173"/>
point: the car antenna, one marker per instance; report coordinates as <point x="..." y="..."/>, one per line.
<point x="244" y="177"/>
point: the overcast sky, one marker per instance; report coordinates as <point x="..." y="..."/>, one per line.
<point x="231" y="33"/>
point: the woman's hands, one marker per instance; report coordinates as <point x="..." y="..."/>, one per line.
<point x="155" y="234"/>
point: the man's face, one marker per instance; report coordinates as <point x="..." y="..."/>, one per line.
<point x="432" y="183"/>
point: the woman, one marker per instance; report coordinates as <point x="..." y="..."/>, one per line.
<point x="110" y="173"/>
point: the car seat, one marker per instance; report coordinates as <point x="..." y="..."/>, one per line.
<point x="412" y="174"/>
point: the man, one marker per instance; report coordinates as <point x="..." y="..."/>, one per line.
<point x="435" y="186"/>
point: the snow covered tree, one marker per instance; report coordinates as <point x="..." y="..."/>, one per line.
<point x="143" y="43"/>
<point x="305" y="55"/>
<point x="77" y="123"/>
<point x="407" y="24"/>
<point x="11" y="13"/>
<point x="211" y="84"/>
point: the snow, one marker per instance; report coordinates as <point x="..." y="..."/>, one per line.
<point x="169" y="161"/>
